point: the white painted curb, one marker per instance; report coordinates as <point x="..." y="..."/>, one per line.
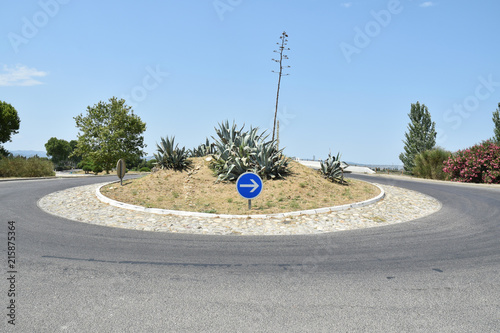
<point x="158" y="211"/>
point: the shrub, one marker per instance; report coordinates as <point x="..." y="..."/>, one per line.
<point x="170" y="156"/>
<point x="97" y="169"/>
<point x="477" y="164"/>
<point x="332" y="168"/>
<point x="145" y="169"/>
<point x="429" y="164"/>
<point x="238" y="151"/>
<point x="25" y="167"/>
<point x="87" y="168"/>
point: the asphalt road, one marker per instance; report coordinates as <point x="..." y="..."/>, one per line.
<point x="440" y="273"/>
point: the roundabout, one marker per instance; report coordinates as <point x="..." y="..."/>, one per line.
<point x="87" y="204"/>
<point x="438" y="272"/>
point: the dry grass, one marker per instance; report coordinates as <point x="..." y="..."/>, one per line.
<point x="196" y="190"/>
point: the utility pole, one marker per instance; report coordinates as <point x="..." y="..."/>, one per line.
<point x="282" y="48"/>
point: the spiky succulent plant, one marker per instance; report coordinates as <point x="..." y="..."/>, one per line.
<point x="332" y="168"/>
<point x="170" y="156"/>
<point x="238" y="151"/>
<point x="202" y="150"/>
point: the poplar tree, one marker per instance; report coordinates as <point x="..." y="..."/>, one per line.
<point x="421" y="135"/>
<point x="496" y="120"/>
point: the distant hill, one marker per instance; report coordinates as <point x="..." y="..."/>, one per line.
<point x="28" y="153"/>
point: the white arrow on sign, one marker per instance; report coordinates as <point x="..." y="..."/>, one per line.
<point x="254" y="185"/>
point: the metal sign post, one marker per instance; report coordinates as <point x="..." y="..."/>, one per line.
<point x="249" y="185"/>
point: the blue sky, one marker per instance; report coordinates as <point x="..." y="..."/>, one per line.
<point x="184" y="66"/>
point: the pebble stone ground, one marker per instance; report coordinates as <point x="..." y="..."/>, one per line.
<point x="81" y="204"/>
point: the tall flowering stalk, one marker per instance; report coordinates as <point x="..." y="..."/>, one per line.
<point x="282" y="48"/>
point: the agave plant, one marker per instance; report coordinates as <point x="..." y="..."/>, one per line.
<point x="270" y="161"/>
<point x="238" y="151"/>
<point x="170" y="156"/>
<point x="332" y="168"/>
<point x="203" y="149"/>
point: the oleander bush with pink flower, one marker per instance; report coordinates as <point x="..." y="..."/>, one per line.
<point x="477" y="164"/>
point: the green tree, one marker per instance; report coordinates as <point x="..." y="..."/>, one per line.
<point x="74" y="158"/>
<point x="496" y="120"/>
<point x="109" y="131"/>
<point x="58" y="150"/>
<point x="9" y="125"/>
<point x="421" y="135"/>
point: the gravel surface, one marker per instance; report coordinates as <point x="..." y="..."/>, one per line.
<point x="81" y="204"/>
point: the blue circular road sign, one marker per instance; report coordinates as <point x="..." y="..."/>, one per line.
<point x="249" y="185"/>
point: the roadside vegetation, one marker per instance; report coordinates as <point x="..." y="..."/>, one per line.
<point x="59" y="152"/>
<point x="26" y="167"/>
<point x="420" y="137"/>
<point x="109" y="131"/>
<point x="9" y="125"/>
<point x="429" y="164"/>
<point x="18" y="166"/>
<point x="477" y="164"/>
